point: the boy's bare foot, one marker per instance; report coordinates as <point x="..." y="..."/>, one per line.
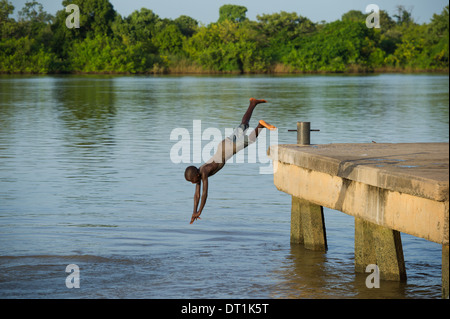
<point x="267" y="125"/>
<point x="255" y="101"/>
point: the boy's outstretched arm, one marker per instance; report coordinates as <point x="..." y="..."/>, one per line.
<point x="204" y="195"/>
<point x="196" y="215"/>
<point x="196" y="198"/>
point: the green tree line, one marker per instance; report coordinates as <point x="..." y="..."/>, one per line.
<point x="143" y="42"/>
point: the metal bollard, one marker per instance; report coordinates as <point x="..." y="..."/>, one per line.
<point x="304" y="133"/>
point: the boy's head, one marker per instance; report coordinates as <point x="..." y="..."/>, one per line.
<point x="192" y="174"/>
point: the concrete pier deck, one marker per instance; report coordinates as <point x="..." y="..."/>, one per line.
<point x="398" y="187"/>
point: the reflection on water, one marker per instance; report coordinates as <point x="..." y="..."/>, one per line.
<point x="86" y="178"/>
<point x="313" y="275"/>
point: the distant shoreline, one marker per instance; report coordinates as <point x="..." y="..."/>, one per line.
<point x="386" y="70"/>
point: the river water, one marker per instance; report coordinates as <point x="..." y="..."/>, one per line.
<point x="92" y="174"/>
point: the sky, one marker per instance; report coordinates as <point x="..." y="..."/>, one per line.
<point x="207" y="11"/>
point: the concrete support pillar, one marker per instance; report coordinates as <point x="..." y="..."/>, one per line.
<point x="445" y="271"/>
<point x="296" y="222"/>
<point x="308" y="225"/>
<point x="364" y="245"/>
<point x="379" y="245"/>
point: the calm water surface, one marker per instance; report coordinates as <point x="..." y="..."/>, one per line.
<point x="86" y="178"/>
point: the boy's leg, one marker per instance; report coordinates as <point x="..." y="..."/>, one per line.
<point x="262" y="124"/>
<point x="251" y="107"/>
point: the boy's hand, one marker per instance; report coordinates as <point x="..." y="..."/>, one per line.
<point x="195" y="217"/>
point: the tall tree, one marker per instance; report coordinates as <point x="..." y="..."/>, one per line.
<point x="439" y="38"/>
<point x="96" y="16"/>
<point x="232" y="12"/>
<point x="6" y="23"/>
<point x="354" y="15"/>
<point x="403" y="15"/>
<point x="187" y="25"/>
<point x="34" y="22"/>
<point x="142" y="24"/>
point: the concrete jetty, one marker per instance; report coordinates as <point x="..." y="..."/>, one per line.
<point x="388" y="188"/>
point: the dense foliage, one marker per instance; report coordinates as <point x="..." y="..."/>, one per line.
<point x="143" y="42"/>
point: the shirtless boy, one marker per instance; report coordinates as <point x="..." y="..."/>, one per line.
<point x="237" y="141"/>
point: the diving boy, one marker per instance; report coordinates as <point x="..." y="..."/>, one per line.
<point x="237" y="141"/>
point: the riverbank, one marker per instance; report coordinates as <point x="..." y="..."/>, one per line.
<point x="277" y="43"/>
<point x="276" y="70"/>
